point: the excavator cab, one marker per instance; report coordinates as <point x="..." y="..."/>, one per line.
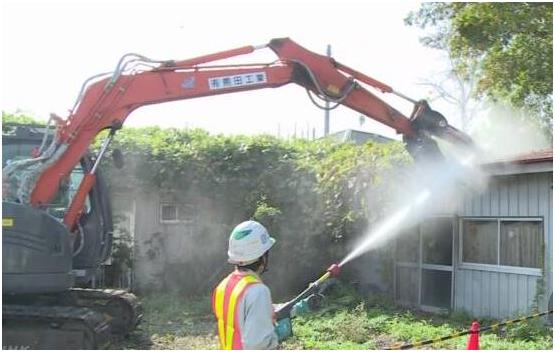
<point x="43" y="262"/>
<point x="40" y="254"/>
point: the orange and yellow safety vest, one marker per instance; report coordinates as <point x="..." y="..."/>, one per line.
<point x="225" y="303"/>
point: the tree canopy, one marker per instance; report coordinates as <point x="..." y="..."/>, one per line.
<point x="511" y="44"/>
<point x="18" y="118"/>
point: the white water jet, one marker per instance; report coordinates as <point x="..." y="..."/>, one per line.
<point x="434" y="183"/>
<point x="389" y="227"/>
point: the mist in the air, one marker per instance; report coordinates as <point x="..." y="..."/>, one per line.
<point x="440" y="187"/>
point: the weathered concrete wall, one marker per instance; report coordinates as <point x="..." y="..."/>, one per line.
<point x="191" y="256"/>
<point x="181" y="256"/>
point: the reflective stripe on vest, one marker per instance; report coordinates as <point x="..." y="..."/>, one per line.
<point x="226" y="296"/>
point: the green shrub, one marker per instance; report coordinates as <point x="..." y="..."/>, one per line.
<point x="19" y="118"/>
<point x="310" y="194"/>
<point x="530" y="330"/>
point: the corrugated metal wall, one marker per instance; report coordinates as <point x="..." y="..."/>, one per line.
<point x="505" y="294"/>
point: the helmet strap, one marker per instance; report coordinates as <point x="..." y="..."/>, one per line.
<point x="265" y="262"/>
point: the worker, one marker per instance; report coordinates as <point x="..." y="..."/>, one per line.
<point x="242" y="303"/>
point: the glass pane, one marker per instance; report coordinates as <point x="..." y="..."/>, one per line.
<point x="68" y="188"/>
<point x="18" y="149"/>
<point x="407" y="246"/>
<point x="407" y="285"/>
<point x="521" y="243"/>
<point x="480" y="241"/>
<point x="10" y="153"/>
<point x="76" y="176"/>
<point x="436" y="288"/>
<point x="437" y="241"/>
<point x="169" y="212"/>
<point x="13" y="152"/>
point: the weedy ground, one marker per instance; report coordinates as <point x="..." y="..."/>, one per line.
<point x="346" y="321"/>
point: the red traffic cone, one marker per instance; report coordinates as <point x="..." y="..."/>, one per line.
<point x="474" y="338"/>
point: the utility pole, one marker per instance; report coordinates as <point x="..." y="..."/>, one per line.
<point x="327" y="111"/>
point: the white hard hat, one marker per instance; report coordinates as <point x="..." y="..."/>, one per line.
<point x="248" y="241"/>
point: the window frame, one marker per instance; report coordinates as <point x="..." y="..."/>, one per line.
<point x="161" y="212"/>
<point x="178" y="214"/>
<point x="498" y="267"/>
<point x="420" y="266"/>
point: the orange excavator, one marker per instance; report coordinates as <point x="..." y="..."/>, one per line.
<point x="41" y="301"/>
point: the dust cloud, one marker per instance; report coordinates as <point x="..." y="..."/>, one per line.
<point x="503" y="132"/>
<point x="419" y="190"/>
<point x="422" y="189"/>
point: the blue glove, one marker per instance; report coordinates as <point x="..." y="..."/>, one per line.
<point x="300" y="308"/>
<point x="283" y="329"/>
<point x="306" y="305"/>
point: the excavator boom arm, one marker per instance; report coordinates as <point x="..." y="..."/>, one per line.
<point x="107" y="102"/>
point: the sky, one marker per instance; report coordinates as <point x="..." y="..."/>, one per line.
<point x="50" y="47"/>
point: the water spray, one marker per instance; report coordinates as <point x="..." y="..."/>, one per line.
<point x="387" y="227"/>
<point x="392" y="225"/>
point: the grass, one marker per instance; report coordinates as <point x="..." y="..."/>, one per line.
<point x="346" y="321"/>
<point x="172" y="321"/>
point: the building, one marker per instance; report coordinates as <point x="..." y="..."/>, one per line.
<point x="358" y="137"/>
<point x="172" y="231"/>
<point x="174" y="238"/>
<point x="491" y="254"/>
<point x="488" y="254"/>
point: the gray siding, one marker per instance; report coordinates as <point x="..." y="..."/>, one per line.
<point x="483" y="292"/>
<point x="494" y="294"/>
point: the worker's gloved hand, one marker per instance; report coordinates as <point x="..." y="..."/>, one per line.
<point x="283" y="329"/>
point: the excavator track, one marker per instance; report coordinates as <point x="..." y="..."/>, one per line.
<point x="123" y="307"/>
<point x="53" y="327"/>
<point x="78" y="319"/>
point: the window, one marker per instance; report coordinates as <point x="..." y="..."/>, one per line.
<point x="175" y="213"/>
<point x="480" y="241"/>
<point x="68" y="188"/>
<point x="437" y="241"/>
<point x="168" y="213"/>
<point x="424" y="265"/>
<point x="520" y="243"/>
<point x="14" y="151"/>
<point x="502" y="242"/>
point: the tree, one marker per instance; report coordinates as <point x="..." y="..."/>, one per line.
<point x="510" y="44"/>
<point x="457" y="88"/>
<point x="18" y="117"/>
